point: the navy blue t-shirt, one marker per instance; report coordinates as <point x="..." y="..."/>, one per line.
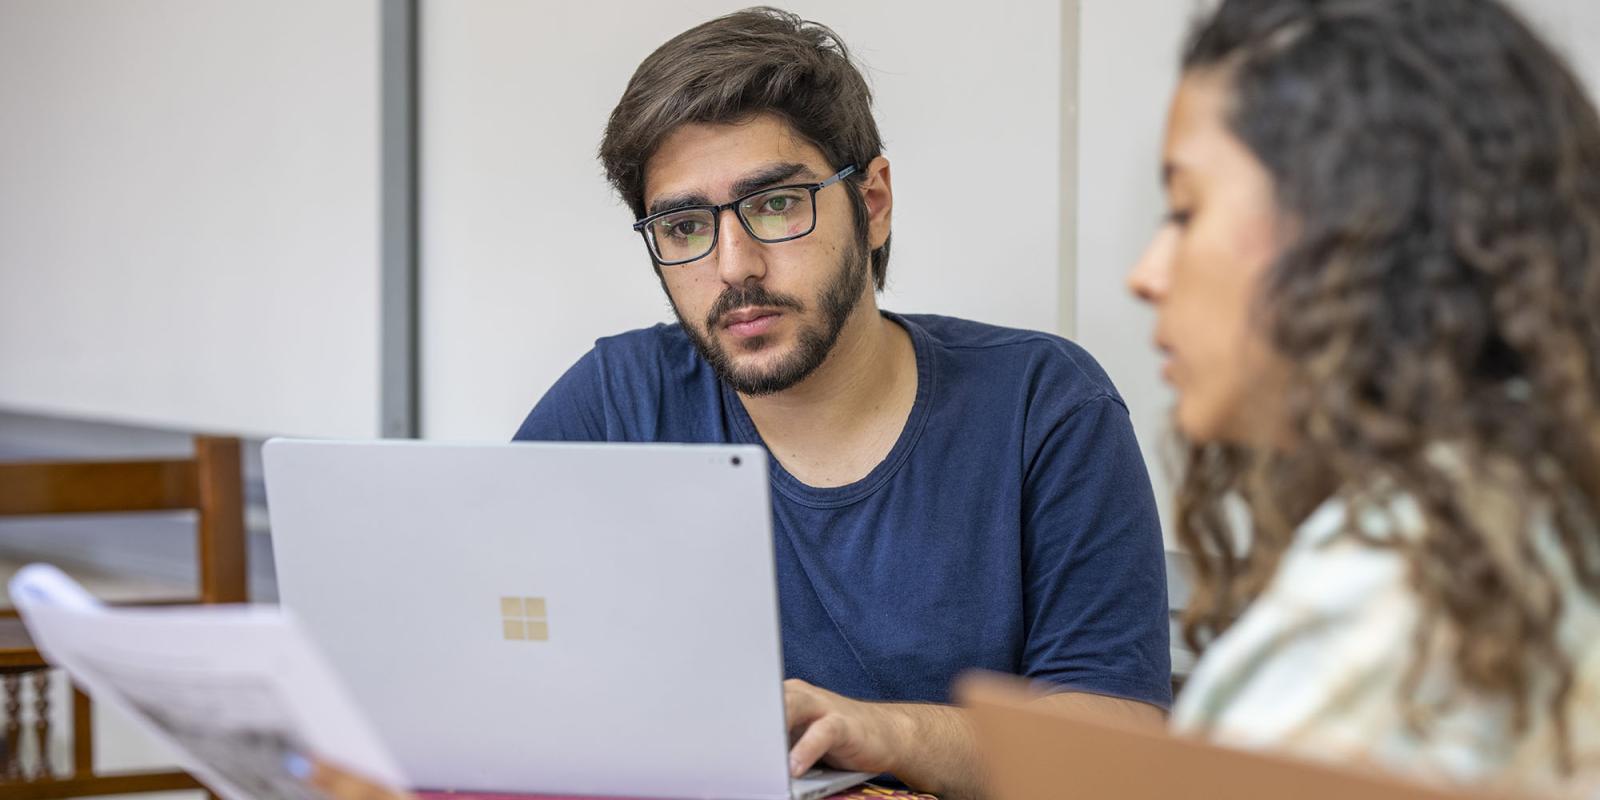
<point x="1011" y="528"/>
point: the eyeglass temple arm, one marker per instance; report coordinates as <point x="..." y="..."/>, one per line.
<point x="838" y="176"/>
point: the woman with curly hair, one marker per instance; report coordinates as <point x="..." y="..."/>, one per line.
<point x="1379" y="291"/>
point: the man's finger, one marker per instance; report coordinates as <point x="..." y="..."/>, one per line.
<point x="815" y="743"/>
<point x="801" y="706"/>
<point x="341" y="785"/>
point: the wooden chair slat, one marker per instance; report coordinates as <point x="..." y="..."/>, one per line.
<point x="221" y="543"/>
<point x="210" y="483"/>
<point x="97" y="487"/>
<point x="132" y="783"/>
<point x="82" y="746"/>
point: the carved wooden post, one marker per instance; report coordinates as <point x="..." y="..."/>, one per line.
<point x="41" y="722"/>
<point x="82" y="735"/>
<point x="13" y="756"/>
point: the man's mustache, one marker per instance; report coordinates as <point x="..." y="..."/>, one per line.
<point x="754" y="295"/>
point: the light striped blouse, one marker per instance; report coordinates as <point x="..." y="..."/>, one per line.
<point x="1315" y="666"/>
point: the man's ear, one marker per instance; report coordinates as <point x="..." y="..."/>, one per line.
<point x="876" y="190"/>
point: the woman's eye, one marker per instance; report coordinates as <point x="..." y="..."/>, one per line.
<point x="1179" y="217"/>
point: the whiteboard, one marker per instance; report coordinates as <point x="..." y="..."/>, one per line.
<point x="189" y="213"/>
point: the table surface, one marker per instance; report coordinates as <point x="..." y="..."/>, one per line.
<point x="866" y="792"/>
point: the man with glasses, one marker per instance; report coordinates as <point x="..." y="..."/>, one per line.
<point x="947" y="495"/>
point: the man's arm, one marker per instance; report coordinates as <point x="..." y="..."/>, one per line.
<point x="1100" y="708"/>
<point x="1096" y="618"/>
<point x="573" y="409"/>
<point x="930" y="747"/>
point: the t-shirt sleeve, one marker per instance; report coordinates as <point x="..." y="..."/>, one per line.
<point x="1095" y="589"/>
<point x="574" y="408"/>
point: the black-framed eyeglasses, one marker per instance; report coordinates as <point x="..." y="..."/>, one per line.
<point x="780" y="214"/>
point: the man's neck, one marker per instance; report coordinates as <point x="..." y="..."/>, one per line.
<point x="847" y="411"/>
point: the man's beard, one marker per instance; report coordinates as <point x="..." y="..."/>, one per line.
<point x="837" y="300"/>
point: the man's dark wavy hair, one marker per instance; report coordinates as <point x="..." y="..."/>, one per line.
<point x="755" y="61"/>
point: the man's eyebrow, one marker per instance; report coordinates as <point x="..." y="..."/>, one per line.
<point x="777" y="173"/>
<point x="761" y="178"/>
<point x="1168" y="171"/>
<point x="672" y="201"/>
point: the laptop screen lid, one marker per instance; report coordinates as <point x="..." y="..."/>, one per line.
<point x="581" y="619"/>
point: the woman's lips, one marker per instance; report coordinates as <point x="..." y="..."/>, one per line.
<point x="1167" y="360"/>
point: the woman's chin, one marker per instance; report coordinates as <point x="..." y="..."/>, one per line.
<point x="1194" y="424"/>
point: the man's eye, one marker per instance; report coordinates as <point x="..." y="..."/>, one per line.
<point x="782" y="203"/>
<point x="1179" y="217"/>
<point x="683" y="229"/>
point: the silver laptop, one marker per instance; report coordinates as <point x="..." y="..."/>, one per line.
<point x="592" y="620"/>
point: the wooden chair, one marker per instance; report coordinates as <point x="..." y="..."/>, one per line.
<point x="208" y="483"/>
<point x="1031" y="752"/>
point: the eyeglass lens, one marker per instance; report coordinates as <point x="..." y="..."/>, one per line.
<point x="771" y="216"/>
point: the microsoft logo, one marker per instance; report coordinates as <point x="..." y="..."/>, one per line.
<point x="523" y="619"/>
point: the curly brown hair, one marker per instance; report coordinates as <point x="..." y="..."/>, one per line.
<point x="1437" y="310"/>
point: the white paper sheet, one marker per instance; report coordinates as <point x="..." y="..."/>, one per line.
<point x="233" y="689"/>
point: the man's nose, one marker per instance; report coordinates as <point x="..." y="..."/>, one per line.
<point x="739" y="256"/>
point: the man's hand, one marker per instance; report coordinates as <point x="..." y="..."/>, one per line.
<point x="336" y="783"/>
<point x="847" y="734"/>
<point x="931" y="747"/>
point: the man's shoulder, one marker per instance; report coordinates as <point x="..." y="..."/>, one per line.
<point x="1026" y="357"/>
<point x="660" y="336"/>
<point x="661" y="344"/>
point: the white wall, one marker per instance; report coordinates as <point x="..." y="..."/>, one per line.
<point x="1573" y="26"/>
<point x="527" y="257"/>
<point x="188" y="213"/>
<point x="1127" y="69"/>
